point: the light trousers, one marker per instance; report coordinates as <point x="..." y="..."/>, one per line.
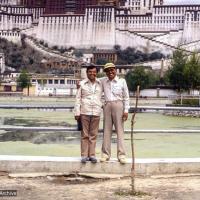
<point x="90" y="127"/>
<point x="113" y="112"/>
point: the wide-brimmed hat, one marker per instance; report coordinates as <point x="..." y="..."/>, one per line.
<point x="108" y="65"/>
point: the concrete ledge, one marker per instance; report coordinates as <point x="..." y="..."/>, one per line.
<point x="41" y="164"/>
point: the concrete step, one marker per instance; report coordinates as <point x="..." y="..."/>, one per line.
<point x="45" y="164"/>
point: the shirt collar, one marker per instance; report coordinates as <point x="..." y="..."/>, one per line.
<point x="115" y="79"/>
<point x="96" y="81"/>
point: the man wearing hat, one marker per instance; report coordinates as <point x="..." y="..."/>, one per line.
<point x="116" y="107"/>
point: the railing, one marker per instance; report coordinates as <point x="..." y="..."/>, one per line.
<point x="183" y="97"/>
<point x="74" y="129"/>
<point x="70" y="108"/>
<point x="68" y="129"/>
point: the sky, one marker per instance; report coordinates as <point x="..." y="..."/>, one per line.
<point x="181" y="2"/>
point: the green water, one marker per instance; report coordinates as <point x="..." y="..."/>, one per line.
<point x="147" y="145"/>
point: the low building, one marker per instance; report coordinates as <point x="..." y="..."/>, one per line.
<point x="107" y="55"/>
<point x="54" y="85"/>
<point x="41" y="85"/>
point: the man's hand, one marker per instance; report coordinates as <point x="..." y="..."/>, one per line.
<point x="77" y="117"/>
<point x="125" y="116"/>
<point x="78" y="85"/>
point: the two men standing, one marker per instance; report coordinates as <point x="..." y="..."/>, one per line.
<point x="115" y="113"/>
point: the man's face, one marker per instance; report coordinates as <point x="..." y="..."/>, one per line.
<point x="111" y="73"/>
<point x="91" y="74"/>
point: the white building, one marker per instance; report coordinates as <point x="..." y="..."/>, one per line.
<point x="153" y="24"/>
<point x="2" y="63"/>
<point x="9" y="2"/>
<point x="147" y="25"/>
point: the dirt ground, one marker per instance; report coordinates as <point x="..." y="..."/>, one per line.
<point x="174" y="187"/>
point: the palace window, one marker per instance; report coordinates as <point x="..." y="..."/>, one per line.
<point x="62" y="81"/>
<point x="50" y="81"/>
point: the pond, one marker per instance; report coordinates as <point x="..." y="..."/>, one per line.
<point x="147" y="145"/>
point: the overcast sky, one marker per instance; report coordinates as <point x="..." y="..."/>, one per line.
<point x="181" y="2"/>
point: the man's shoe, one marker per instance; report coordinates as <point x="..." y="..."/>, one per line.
<point x="84" y="160"/>
<point x="93" y="159"/>
<point x="104" y="158"/>
<point x="122" y="160"/>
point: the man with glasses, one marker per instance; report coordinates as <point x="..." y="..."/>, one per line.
<point x="116" y="107"/>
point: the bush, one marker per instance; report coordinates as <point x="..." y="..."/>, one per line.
<point x="187" y="102"/>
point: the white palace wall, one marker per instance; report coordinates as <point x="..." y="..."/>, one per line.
<point x="9" y="2"/>
<point x="174" y="38"/>
<point x="104" y="27"/>
<point x="12" y="36"/>
<point x="35" y="12"/>
<point x="192" y="25"/>
<point x="95" y="28"/>
<point x="14" y="21"/>
<point x="127" y="39"/>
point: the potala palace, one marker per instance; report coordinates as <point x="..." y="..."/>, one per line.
<point x="147" y="25"/>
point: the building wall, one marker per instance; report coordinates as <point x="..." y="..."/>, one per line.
<point x="33" y="3"/>
<point x="55" y="7"/>
<point x="104" y="27"/>
<point x="95" y="28"/>
<point x="9" y="2"/>
<point x="82" y="4"/>
<point x="34" y="12"/>
<point x="12" y="36"/>
<point x="9" y="21"/>
<point x="2" y="63"/>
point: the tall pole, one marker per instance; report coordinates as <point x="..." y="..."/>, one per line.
<point x="132" y="141"/>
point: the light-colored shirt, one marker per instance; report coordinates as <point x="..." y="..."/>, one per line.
<point x="115" y="90"/>
<point x="88" y="98"/>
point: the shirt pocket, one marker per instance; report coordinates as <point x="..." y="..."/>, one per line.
<point x="116" y="89"/>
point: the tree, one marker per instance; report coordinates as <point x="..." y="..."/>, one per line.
<point x="101" y="61"/>
<point x="24" y="80"/>
<point x="176" y="72"/>
<point x="78" y="53"/>
<point x="131" y="55"/>
<point x="140" y="76"/>
<point x="192" y="72"/>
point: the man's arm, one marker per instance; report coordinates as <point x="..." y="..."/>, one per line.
<point x="125" y="101"/>
<point x="77" y="106"/>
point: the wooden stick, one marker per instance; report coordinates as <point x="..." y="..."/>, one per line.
<point x="132" y="141"/>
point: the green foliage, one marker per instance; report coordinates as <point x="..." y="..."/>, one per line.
<point x="192" y="72"/>
<point x="46" y="45"/>
<point x="131" y="55"/>
<point x="55" y="47"/>
<point x="176" y="72"/>
<point x="101" y="74"/>
<point x="101" y="61"/>
<point x="185" y="72"/>
<point x="187" y="102"/>
<point x="41" y="42"/>
<point x="78" y="53"/>
<point x="140" y="76"/>
<point x="23" y="80"/>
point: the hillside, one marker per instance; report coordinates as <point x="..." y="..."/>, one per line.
<point x="21" y="56"/>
